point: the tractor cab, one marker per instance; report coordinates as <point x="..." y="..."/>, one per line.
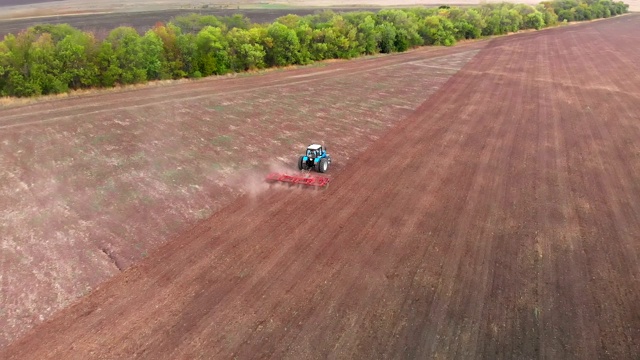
<point x="315" y="151"/>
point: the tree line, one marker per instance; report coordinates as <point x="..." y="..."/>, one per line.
<point x="50" y="59"/>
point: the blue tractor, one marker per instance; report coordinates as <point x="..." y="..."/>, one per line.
<point x="315" y="158"/>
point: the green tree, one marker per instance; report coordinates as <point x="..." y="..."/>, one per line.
<point x="77" y="54"/>
<point x="502" y="20"/>
<point x="108" y="65"/>
<point x="534" y="20"/>
<point x="341" y="38"/>
<point x="213" y="54"/>
<point x="368" y="36"/>
<point x="304" y="33"/>
<point x="4" y="68"/>
<point x="17" y="65"/>
<point x="155" y="62"/>
<point x="406" y="25"/>
<point x="128" y="54"/>
<point x="548" y="14"/>
<point x="438" y="30"/>
<point x="188" y="54"/>
<point x="45" y="68"/>
<point x="473" y="17"/>
<point x="387" y="37"/>
<point x="568" y="15"/>
<point x="173" y="66"/>
<point x="281" y="45"/>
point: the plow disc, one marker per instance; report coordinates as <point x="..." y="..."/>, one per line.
<point x="312" y="180"/>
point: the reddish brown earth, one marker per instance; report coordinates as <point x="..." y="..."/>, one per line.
<point x="501" y="219"/>
<point x="90" y="185"/>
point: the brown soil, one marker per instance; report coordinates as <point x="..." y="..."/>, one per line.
<point x="498" y="220"/>
<point x="92" y="184"/>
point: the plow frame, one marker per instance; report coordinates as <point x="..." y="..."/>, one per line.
<point x="307" y="180"/>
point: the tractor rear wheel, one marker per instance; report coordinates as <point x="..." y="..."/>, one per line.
<point x="323" y="165"/>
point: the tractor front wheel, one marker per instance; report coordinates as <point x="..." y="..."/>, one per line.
<point x="301" y="164"/>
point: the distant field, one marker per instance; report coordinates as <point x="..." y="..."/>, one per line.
<point x="75" y="7"/>
<point x="142" y="21"/>
<point x="22" y="2"/>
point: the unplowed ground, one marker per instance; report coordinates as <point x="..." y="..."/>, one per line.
<point x="501" y="219"/>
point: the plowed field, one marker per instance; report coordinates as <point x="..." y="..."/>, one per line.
<point x="500" y="219"/>
<point x="92" y="184"/>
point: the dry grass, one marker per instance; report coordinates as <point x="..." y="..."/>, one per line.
<point x="8" y="101"/>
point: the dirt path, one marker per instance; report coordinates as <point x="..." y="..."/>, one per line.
<point x="499" y="220"/>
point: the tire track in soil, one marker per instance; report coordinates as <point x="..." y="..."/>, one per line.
<point x="436" y="315"/>
<point x="576" y="277"/>
<point x="516" y="169"/>
<point x="564" y="247"/>
<point x="619" y="186"/>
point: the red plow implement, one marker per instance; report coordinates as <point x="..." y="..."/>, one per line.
<point x="309" y="180"/>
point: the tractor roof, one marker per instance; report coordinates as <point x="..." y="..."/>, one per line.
<point x="314" y="147"/>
